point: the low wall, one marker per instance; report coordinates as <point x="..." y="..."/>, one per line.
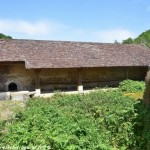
<point x="20" y="95"/>
<point x="5" y="96"/>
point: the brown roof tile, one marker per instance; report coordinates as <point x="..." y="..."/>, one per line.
<point x="63" y="54"/>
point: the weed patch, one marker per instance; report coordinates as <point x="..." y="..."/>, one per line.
<point x="98" y="120"/>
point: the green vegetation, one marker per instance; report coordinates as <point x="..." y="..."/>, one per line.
<point x="100" y="120"/>
<point x="128" y="41"/>
<point x="132" y="86"/>
<point x="3" y="36"/>
<point x="143" y="38"/>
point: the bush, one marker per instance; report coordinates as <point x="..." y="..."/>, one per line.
<point x="142" y="126"/>
<point x="99" y="120"/>
<point x="132" y="86"/>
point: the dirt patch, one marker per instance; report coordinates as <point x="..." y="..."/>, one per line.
<point x="9" y="108"/>
<point x="136" y="96"/>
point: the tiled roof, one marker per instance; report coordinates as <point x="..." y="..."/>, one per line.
<point x="63" y="54"/>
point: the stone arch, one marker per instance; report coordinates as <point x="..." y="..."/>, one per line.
<point x="6" y="85"/>
<point x="12" y="87"/>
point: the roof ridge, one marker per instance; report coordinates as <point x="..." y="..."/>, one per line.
<point x="67" y="41"/>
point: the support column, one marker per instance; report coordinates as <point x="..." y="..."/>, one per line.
<point x="80" y="85"/>
<point x="37" y="82"/>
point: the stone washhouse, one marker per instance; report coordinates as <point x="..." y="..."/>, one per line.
<point x="39" y="66"/>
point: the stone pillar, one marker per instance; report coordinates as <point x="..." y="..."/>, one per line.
<point x="37" y="82"/>
<point x="80" y="85"/>
<point x="38" y="91"/>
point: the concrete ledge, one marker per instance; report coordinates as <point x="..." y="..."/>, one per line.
<point x="22" y="95"/>
<point x="47" y="95"/>
<point x="4" y="95"/>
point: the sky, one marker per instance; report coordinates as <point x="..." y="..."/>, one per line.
<point x="74" y="20"/>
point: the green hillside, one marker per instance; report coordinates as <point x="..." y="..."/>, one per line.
<point x="143" y="38"/>
<point x="3" y="36"/>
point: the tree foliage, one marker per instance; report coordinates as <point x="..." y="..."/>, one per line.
<point x="3" y="36"/>
<point x="128" y="41"/>
<point x="143" y="38"/>
<point x="116" y="42"/>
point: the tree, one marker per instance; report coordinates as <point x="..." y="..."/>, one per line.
<point x="143" y="38"/>
<point x="3" y="36"/>
<point x="128" y="41"/>
<point x="116" y="42"/>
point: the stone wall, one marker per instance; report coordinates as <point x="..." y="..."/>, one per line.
<point x="55" y="79"/>
<point x="111" y="76"/>
<point x="66" y="79"/>
<point x="16" y="73"/>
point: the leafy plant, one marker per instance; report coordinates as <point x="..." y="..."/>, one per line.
<point x="132" y="86"/>
<point x="98" y="120"/>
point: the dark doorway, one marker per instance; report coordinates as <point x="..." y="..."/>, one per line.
<point x="12" y="87"/>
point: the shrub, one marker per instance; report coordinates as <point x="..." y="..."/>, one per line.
<point x="98" y="120"/>
<point x="142" y="127"/>
<point x="132" y="86"/>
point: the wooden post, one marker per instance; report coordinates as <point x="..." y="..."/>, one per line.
<point x="80" y="85"/>
<point x="37" y="81"/>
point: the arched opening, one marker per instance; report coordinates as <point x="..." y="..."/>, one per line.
<point x="12" y="87"/>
